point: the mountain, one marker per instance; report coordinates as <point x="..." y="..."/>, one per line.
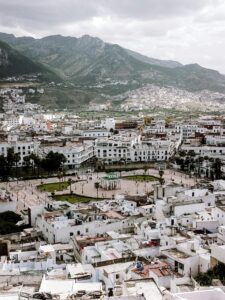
<point x="88" y="62"/>
<point x="154" y="61"/>
<point x="13" y="63"/>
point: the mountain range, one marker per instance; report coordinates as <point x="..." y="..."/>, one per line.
<point x="88" y="61"/>
<point x="13" y="63"/>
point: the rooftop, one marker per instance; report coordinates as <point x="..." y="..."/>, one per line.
<point x="176" y="254"/>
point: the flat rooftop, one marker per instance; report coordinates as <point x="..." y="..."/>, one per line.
<point x="176" y="254"/>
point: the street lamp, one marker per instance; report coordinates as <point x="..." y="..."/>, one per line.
<point x="137" y="184"/>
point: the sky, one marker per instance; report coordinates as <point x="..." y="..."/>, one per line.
<point x="188" y="31"/>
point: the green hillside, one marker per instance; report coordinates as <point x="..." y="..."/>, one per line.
<point x="13" y="63"/>
<point x="106" y="68"/>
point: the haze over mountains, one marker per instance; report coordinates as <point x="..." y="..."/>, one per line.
<point x="88" y="61"/>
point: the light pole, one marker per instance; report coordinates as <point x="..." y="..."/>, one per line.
<point x="137" y="184"/>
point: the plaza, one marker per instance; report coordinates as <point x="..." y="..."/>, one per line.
<point x="26" y="193"/>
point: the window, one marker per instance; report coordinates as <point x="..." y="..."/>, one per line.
<point x="181" y="266"/>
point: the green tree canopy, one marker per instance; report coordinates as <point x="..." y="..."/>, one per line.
<point x="53" y="161"/>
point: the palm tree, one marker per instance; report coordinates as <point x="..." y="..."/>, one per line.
<point x="70" y="183"/>
<point x="59" y="175"/>
<point x="145" y="176"/>
<point x="161" y="179"/>
<point x="217" y="168"/>
<point x="16" y="160"/>
<point x="36" y="162"/>
<point x="97" y="186"/>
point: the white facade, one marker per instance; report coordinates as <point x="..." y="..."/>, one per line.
<point x="188" y="130"/>
<point x="62" y="229"/>
<point x="134" y="149"/>
<point x="75" y="153"/>
<point x="22" y="147"/>
<point x="108" y="123"/>
<point x="218" y="213"/>
<point x="96" y="133"/>
<point x="211" y="151"/>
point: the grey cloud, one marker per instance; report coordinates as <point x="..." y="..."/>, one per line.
<point x="54" y="12"/>
<point x="166" y="29"/>
<point x="154" y="8"/>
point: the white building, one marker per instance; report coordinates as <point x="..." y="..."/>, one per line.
<point x="24" y="148"/>
<point x="75" y="153"/>
<point x="108" y="123"/>
<point x="59" y="229"/>
<point x="133" y="149"/>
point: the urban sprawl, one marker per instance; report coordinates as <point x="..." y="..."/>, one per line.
<point x="110" y="207"/>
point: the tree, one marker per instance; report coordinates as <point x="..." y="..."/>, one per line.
<point x="70" y="183"/>
<point x="59" y="175"/>
<point x="8" y="162"/>
<point x="32" y="161"/>
<point x="217" y="168"/>
<point x="192" y="167"/>
<point x="3" y="168"/>
<point x="53" y="161"/>
<point x="203" y="140"/>
<point x="182" y="153"/>
<point x="16" y="160"/>
<point x="27" y="161"/>
<point x="191" y="153"/>
<point x="205" y="279"/>
<point x="145" y="175"/>
<point x="36" y="162"/>
<point x="97" y="186"/>
<point x="12" y="159"/>
<point x="161" y="179"/>
<point x="8" y="220"/>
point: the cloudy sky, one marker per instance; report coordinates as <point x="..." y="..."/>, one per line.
<point x="188" y="31"/>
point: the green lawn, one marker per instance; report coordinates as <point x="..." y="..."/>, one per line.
<point x="52" y="187"/>
<point x="141" y="178"/>
<point x="73" y="198"/>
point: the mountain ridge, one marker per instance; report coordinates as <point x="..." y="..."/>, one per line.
<point x="13" y="63"/>
<point x="88" y="61"/>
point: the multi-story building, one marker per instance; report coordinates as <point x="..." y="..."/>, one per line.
<point x="134" y="149"/>
<point x="75" y="153"/>
<point x="24" y="148"/>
